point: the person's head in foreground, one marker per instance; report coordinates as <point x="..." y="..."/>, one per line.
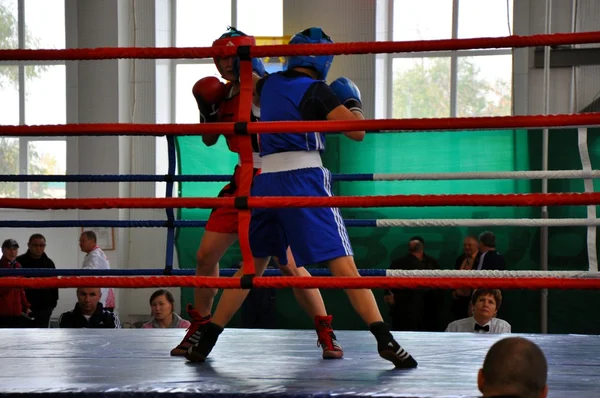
<point x="514" y="367"/>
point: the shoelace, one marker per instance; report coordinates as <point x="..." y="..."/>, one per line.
<point x="326" y="338"/>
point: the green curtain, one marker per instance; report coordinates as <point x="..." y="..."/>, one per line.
<point x="432" y="152"/>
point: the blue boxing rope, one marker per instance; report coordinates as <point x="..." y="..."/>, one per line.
<point x="46" y="272"/>
<point x="136" y="223"/>
<point x="228" y="272"/>
<point x="150" y="178"/>
<point x="170" y="223"/>
<point x="370" y="223"/>
<point x="446" y="176"/>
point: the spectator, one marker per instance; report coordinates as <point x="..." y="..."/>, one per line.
<point x="461" y="298"/>
<point x="161" y="303"/>
<point x="486" y="303"/>
<point x="414" y="309"/>
<point x="429" y="261"/>
<point x="96" y="259"/>
<point x="514" y="367"/>
<point x="89" y="312"/>
<point x="43" y="301"/>
<point x="14" y="307"/>
<point x="489" y="258"/>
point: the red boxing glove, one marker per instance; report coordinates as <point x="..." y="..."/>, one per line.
<point x="209" y="92"/>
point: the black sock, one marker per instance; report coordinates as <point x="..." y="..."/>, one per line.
<point x="212" y="331"/>
<point x="208" y="339"/>
<point x="389" y="348"/>
<point x="380" y="330"/>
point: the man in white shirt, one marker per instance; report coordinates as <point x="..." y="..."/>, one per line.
<point x="486" y="303"/>
<point x="96" y="259"/>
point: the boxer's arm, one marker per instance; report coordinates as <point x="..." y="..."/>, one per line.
<point x="349" y="95"/>
<point x="255" y="94"/>
<point x="321" y="103"/>
<point x="258" y="72"/>
<point x="210" y="139"/>
<point x="343" y="113"/>
<point x="209" y="92"/>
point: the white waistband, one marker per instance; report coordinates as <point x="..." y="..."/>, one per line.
<point x="256" y="159"/>
<point x="285" y="161"/>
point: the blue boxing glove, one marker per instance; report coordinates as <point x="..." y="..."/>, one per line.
<point x="258" y="67"/>
<point x="348" y="93"/>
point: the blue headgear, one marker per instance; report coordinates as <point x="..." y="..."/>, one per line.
<point x="320" y="63"/>
<point x="233" y="37"/>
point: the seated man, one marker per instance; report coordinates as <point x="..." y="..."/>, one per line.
<point x="514" y="367"/>
<point x="486" y="303"/>
<point x="89" y="312"/>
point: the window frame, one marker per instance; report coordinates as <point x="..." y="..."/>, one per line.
<point x="174" y="63"/>
<point x="453" y="55"/>
<point x="23" y="142"/>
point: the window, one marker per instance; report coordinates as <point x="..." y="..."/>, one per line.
<point x="451" y="83"/>
<point x="32" y="93"/>
<point x="258" y="18"/>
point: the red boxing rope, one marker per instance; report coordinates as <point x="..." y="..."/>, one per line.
<point x="247" y="166"/>
<point x="258" y="202"/>
<point x="375" y="282"/>
<point x="302" y="49"/>
<point x="465" y="123"/>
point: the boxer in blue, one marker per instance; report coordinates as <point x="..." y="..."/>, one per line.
<point x="291" y="166"/>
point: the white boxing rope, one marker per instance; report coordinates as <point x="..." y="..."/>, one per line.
<point x="492" y="222"/>
<point x="588" y="183"/>
<point x="490" y="274"/>
<point x="497" y="175"/>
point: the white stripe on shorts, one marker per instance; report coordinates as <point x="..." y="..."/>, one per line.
<point x="341" y="227"/>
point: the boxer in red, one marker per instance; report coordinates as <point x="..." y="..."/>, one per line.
<point x="219" y="102"/>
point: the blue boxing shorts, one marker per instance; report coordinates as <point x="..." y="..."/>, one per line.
<point x="314" y="234"/>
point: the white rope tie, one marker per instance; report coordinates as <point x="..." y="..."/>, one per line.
<point x="490" y="274"/>
<point x="588" y="183"/>
<point x="490" y="222"/>
<point x="501" y="175"/>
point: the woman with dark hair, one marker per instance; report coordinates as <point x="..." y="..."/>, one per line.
<point x="162" y="302"/>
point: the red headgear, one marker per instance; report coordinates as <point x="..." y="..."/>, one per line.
<point x="233" y="37"/>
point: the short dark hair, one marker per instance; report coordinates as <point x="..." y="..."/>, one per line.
<point x="99" y="289"/>
<point x="10" y="243"/>
<point x="515" y="365"/>
<point x="471" y="237"/>
<point x="91" y="235"/>
<point x="488" y="238"/>
<point x="419" y="238"/>
<point x="415" y="246"/>
<point x="162" y="292"/>
<point x="36" y="236"/>
<point x="497" y="294"/>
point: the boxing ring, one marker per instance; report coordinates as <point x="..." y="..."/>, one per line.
<point x="255" y="362"/>
<point x="249" y="362"/>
